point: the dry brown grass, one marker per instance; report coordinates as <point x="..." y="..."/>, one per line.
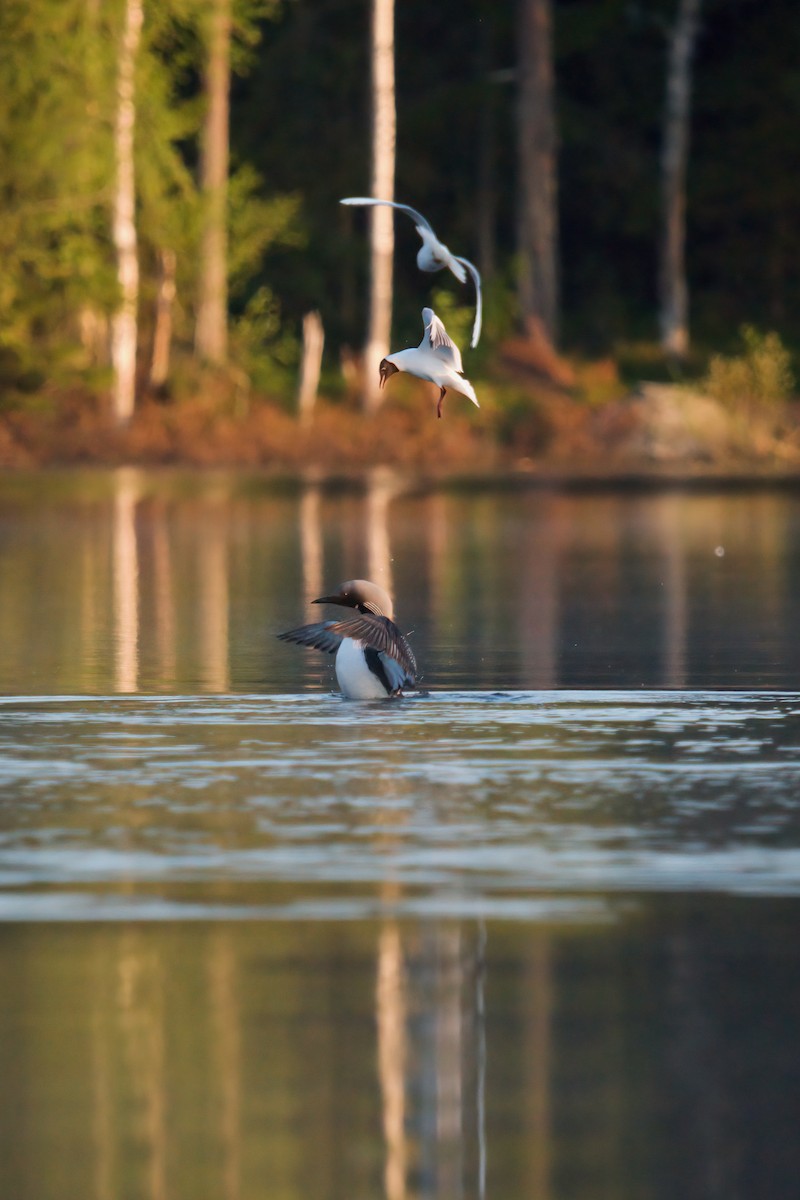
<point x="532" y="427"/>
<point x="74" y="430"/>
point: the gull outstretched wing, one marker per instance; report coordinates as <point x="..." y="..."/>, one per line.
<point x="416" y="217"/>
<point x="436" y="338"/>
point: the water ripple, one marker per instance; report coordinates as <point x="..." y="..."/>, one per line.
<point x="500" y="803"/>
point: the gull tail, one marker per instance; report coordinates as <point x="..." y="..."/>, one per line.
<point x="466" y="389"/>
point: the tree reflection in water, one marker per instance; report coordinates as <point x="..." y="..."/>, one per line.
<point x="126" y="582"/>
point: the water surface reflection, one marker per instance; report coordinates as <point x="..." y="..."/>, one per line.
<point x="522" y="805"/>
<point x="211" y="1060"/>
<point x="183" y="582"/>
<point x="532" y="935"/>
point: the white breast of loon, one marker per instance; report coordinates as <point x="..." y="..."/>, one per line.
<point x="355" y="678"/>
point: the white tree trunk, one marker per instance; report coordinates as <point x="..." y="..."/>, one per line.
<point x="211" y="331"/>
<point x="311" y="364"/>
<point x="384" y="122"/>
<point x="124" y="325"/>
<point x="537" y="214"/>
<point x="674" y="297"/>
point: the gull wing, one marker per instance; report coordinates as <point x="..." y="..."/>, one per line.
<point x="476" y="279"/>
<point x="377" y="633"/>
<point x="416" y="217"/>
<point x="436" y="338"/>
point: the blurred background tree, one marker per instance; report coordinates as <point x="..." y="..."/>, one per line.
<point x="298" y="136"/>
<point x="56" y="180"/>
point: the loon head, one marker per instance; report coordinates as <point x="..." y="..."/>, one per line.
<point x="361" y="594"/>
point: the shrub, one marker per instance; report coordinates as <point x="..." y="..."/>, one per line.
<point x="761" y="375"/>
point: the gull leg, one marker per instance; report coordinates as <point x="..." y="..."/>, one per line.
<point x="442" y="395"/>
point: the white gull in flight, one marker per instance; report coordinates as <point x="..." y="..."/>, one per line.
<point x="433" y="255"/>
<point x="437" y="358"/>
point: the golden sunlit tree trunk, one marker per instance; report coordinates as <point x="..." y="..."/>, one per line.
<point x="214" y="606"/>
<point x="124" y="323"/>
<point x="211" y="330"/>
<point x="162" y="334"/>
<point x="537" y="216"/>
<point x="310" y="365"/>
<point x="384" y="122"/>
<point x="674" y="293"/>
<point x="125" y="576"/>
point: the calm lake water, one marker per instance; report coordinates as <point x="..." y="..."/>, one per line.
<point x="530" y="935"/>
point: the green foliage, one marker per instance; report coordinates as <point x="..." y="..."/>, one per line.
<point x="456" y="307"/>
<point x="168" y="119"/>
<point x="255" y="224"/>
<point x="58" y="59"/>
<point x="262" y="346"/>
<point x="55" y="158"/>
<point x="457" y="317"/>
<point x="58" y="71"/>
<point x="760" y="376"/>
<point x="265" y="348"/>
<point x="248" y="16"/>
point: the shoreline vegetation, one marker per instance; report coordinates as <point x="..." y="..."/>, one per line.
<point x="177" y="258"/>
<point x="740" y="419"/>
<point x="647" y="433"/>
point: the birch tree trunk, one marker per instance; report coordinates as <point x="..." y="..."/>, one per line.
<point x="310" y="365"/>
<point x="384" y="122"/>
<point x="674" y="293"/>
<point x="211" y="330"/>
<point x="537" y="216"/>
<point x="124" y="323"/>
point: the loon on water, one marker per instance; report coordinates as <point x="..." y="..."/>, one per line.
<point x="373" y="658"/>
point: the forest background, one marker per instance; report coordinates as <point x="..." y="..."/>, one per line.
<point x="170" y="172"/>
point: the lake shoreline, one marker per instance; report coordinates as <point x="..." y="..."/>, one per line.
<point x="657" y="436"/>
<point x="188" y="476"/>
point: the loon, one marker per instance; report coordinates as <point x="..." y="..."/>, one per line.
<point x="373" y="658"/>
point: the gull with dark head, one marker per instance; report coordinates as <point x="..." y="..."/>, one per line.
<point x="433" y="255"/>
<point x="373" y="658"/>
<point x="437" y="358"/>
